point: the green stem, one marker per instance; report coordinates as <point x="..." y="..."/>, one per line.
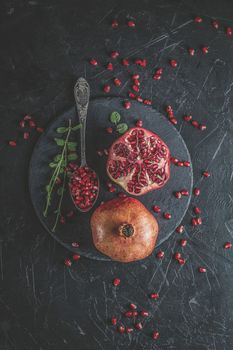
<point x="59" y="204"/>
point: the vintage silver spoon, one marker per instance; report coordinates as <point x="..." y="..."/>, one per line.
<point x="82" y="96"/>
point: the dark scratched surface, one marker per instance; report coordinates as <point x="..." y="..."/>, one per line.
<point x="45" y="46"/>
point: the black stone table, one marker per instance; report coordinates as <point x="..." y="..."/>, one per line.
<point x="45" y="46"/>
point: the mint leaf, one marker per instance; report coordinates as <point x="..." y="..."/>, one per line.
<point x="76" y="127"/>
<point x="115" y="117"/>
<point x="62" y="130"/>
<point x="122" y="128"/>
<point x="59" y="142"/>
<point x="52" y="165"/>
<point x="72" y="156"/>
<point x="72" y="146"/>
<point x="57" y="158"/>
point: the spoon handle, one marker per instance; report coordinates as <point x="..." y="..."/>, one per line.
<point x="82" y="95"/>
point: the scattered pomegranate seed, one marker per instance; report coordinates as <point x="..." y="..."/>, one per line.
<point x="122" y="195"/>
<point x="12" y="143"/>
<point x="187" y="164"/>
<point x="32" y="124"/>
<point x="109" y="66"/>
<point x="131" y="24"/>
<point x="198" y="19"/>
<point x="157" y="76"/>
<point x="106" y="88"/>
<point x="179" y="163"/>
<point x="197" y="210"/>
<point x="133" y="306"/>
<point x="75" y="244"/>
<point x="137" y="82"/>
<point x="135" y="88"/>
<point x="196" y="191"/>
<point x="26" y="135"/>
<point x="174" y="160"/>
<point x="183" y="242"/>
<point x="121" y="329"/>
<point x="181" y="261"/>
<point x="202" y="127"/>
<point x="199" y="221"/>
<point x="115" y="23"/>
<point x="116" y="282"/>
<point x="194" y="222"/>
<point x="160" y="254"/>
<point x="134" y="313"/>
<point x="206" y="174"/>
<point x="112" y="189"/>
<point x="167" y="216"/>
<point x="93" y="62"/>
<point x="22" y="123"/>
<point x="113" y="321"/>
<point x="227" y="245"/>
<point x="139" y="99"/>
<point x="178" y="194"/>
<point x="180" y="229"/>
<point x="138" y="326"/>
<point x="205" y="49"/>
<point x="144" y="313"/>
<point x="131" y="94"/>
<point x="173" y="63"/>
<point x="173" y="121"/>
<point x="141" y="62"/>
<point x="155" y="335"/>
<point x="117" y="82"/>
<point x="154" y="296"/>
<point x="100" y="153"/>
<point x="105" y="152"/>
<point x="215" y="24"/>
<point x="202" y="269"/>
<point x="156" y="209"/>
<point x="135" y="76"/>
<point x="127" y="104"/>
<point x="125" y="62"/>
<point x="40" y="130"/>
<point x="139" y="123"/>
<point x="109" y="130"/>
<point x="195" y="123"/>
<point x="128" y="314"/>
<point x="177" y="256"/>
<point x="114" y="54"/>
<point x="76" y="257"/>
<point x="184" y="193"/>
<point x="27" y="117"/>
<point x="147" y="102"/>
<point x="129" y="329"/>
<point x="187" y="118"/>
<point x="191" y="51"/>
<point x="169" y="110"/>
<point x="229" y="31"/>
<point x="68" y="262"/>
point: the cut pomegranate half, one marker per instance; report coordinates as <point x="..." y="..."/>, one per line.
<point x="139" y="161"/>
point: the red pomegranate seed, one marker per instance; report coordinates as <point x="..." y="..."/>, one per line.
<point x="177" y="256"/>
<point x="131" y="24"/>
<point x="121" y="195"/>
<point x="129" y="329"/>
<point x="183" y="242"/>
<point x="76" y="257"/>
<point x="68" y="262"/>
<point x="195" y="123"/>
<point x="227" y="245"/>
<point x="32" y="124"/>
<point x="157" y="76"/>
<point x="187" y="118"/>
<point x="184" y="193"/>
<point x="173" y="63"/>
<point x="134" y="313"/>
<point x="40" y="130"/>
<point x="202" y="127"/>
<point x="109" y="130"/>
<point x="112" y="189"/>
<point x="167" y="216"/>
<point x="125" y="62"/>
<point x="115" y="23"/>
<point x="144" y="313"/>
<point x="199" y="221"/>
<point x="229" y="31"/>
<point x="197" y="210"/>
<point x="135" y="88"/>
<point x="194" y="222"/>
<point x="180" y="229"/>
<point x="26" y="135"/>
<point x="75" y="244"/>
<point x="137" y="82"/>
<point x="131" y="94"/>
<point x="198" y="19"/>
<point x="22" y="123"/>
<point x="206" y="174"/>
<point x="12" y="143"/>
<point x="135" y="76"/>
<point x="196" y="191"/>
<point x="160" y="254"/>
<point x="109" y="66"/>
<point x="187" y="164"/>
<point x="178" y="194"/>
<point x="155" y="335"/>
<point x="215" y="24"/>
<point x="93" y="62"/>
<point x="27" y="117"/>
<point x="116" y="282"/>
<point x="154" y="296"/>
<point x="139" y="99"/>
<point x="179" y="163"/>
<point x="156" y="209"/>
<point x="121" y="329"/>
<point x="128" y="314"/>
<point x="141" y="62"/>
<point x="127" y="104"/>
<point x="205" y="49"/>
<point x="174" y="160"/>
<point x="169" y="109"/>
<point x="139" y="123"/>
<point x="191" y="51"/>
<point x="181" y="261"/>
<point x="117" y="82"/>
<point x="173" y="121"/>
<point x="147" y="102"/>
<point x="133" y="306"/>
<point x="113" y="321"/>
<point x="138" y="326"/>
<point x="202" y="269"/>
<point x="106" y="88"/>
<point x="114" y="54"/>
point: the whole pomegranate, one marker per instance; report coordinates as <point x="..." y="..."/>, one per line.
<point x="139" y="161"/>
<point x="124" y="229"/>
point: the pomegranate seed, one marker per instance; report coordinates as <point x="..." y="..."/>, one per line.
<point x="196" y="191"/>
<point x="105" y="152"/>
<point x="157" y="76"/>
<point x="179" y="163"/>
<point x="93" y="62"/>
<point x="115" y="23"/>
<point x="128" y="314"/>
<point x="109" y="130"/>
<point x="106" y="88"/>
<point x="177" y="256"/>
<point x="187" y="164"/>
<point x="137" y="82"/>
<point x="169" y="109"/>
<point x="180" y="229"/>
<point x="121" y="195"/>
<point x="100" y="153"/>
<point x="191" y="51"/>
<point x="173" y="63"/>
<point x="138" y="326"/>
<point x="125" y="62"/>
<point x="202" y="127"/>
<point x="129" y="329"/>
<point x="197" y="210"/>
<point x="155" y="335"/>
<point x="173" y="121"/>
<point x="206" y="174"/>
<point x="195" y="123"/>
<point x="159" y="71"/>
<point x="75" y="244"/>
<point x="202" y="269"/>
<point x="40" y="130"/>
<point x="174" y="160"/>
<point x="139" y="123"/>
<point x="185" y="193"/>
<point x="117" y="82"/>
<point x="198" y="19"/>
<point x="194" y="222"/>
<point x="160" y="254"/>
<point x="12" y="143"/>
<point x="134" y="313"/>
<point x="141" y="62"/>
<point x="133" y="306"/>
<point x="156" y="209"/>
<point x="68" y="262"/>
<point x="144" y="313"/>
<point x="121" y="329"/>
<point x="62" y="220"/>
<point x="147" y="102"/>
<point x="199" y="221"/>
<point x="112" y="189"/>
<point x="139" y="99"/>
<point x="27" y="117"/>
<point x="113" y="321"/>
<point x="215" y="24"/>
<point x="227" y="245"/>
<point x="131" y="24"/>
<point x="127" y="104"/>
<point x="114" y="54"/>
<point x="229" y="31"/>
<point x="26" y="135"/>
<point x="154" y="296"/>
<point x="135" y="76"/>
<point x="205" y="49"/>
<point x="109" y="66"/>
<point x="178" y="195"/>
<point x="187" y="118"/>
<point x="22" y="123"/>
<point x="116" y="282"/>
<point x="131" y="94"/>
<point x="135" y="88"/>
<point x="183" y="242"/>
<point x="32" y="124"/>
<point x="76" y="257"/>
<point x="181" y="261"/>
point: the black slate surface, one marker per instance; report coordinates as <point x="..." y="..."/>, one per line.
<point x="44" y="48"/>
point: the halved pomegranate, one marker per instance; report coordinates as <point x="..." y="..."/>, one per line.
<point x="139" y="161"/>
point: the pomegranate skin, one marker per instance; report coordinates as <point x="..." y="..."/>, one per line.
<point x="106" y="225"/>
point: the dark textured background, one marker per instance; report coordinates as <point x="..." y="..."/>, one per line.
<point x="44" y="47"/>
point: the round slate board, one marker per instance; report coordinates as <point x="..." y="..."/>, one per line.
<point x="77" y="228"/>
